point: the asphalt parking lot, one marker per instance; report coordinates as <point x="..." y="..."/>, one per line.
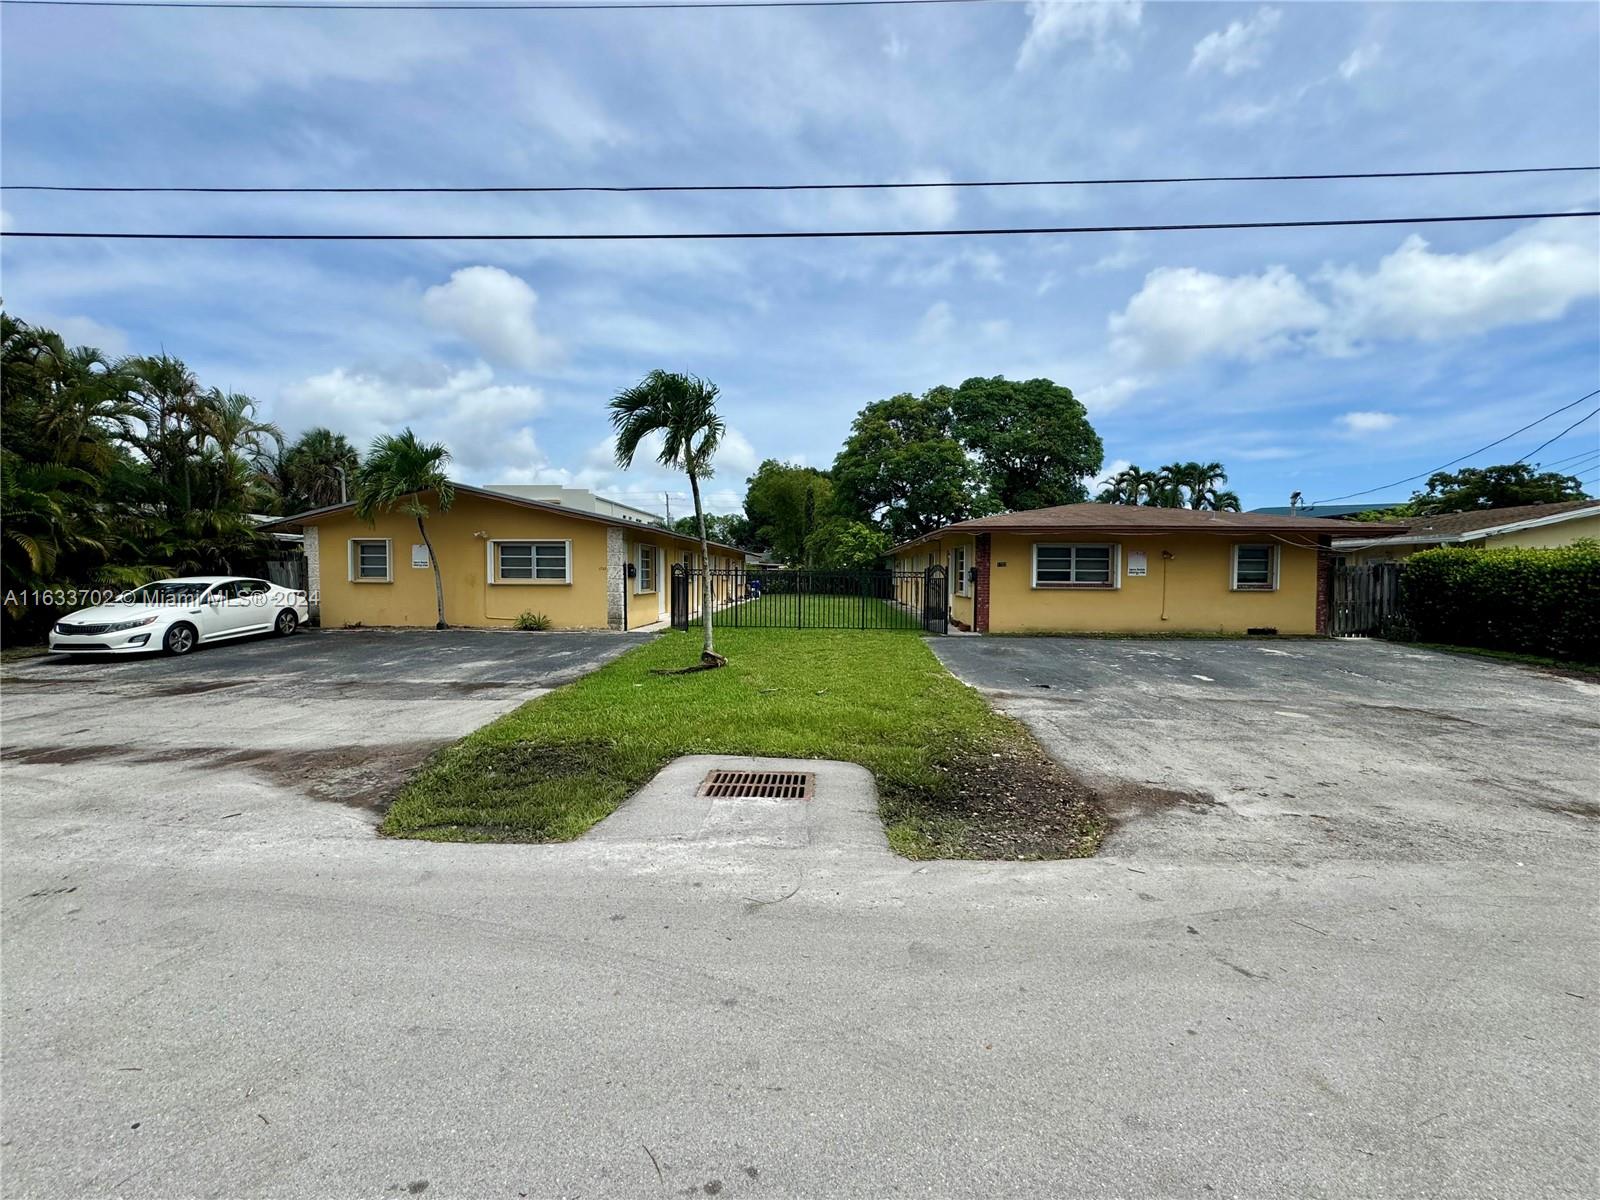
<point x="1294" y="751"/>
<point x="219" y="982"/>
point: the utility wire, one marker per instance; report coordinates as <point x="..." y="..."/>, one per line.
<point x="1558" y="436"/>
<point x="774" y="235"/>
<point x="544" y="189"/>
<point x="515" y="6"/>
<point x="1572" y="458"/>
<point x="1469" y="454"/>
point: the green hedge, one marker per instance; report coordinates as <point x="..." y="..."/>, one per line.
<point x="1544" y="602"/>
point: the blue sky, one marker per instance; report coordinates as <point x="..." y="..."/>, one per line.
<point x="1323" y="360"/>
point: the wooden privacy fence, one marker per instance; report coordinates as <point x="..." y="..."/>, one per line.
<point x="1365" y="599"/>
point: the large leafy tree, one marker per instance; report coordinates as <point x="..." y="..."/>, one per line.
<point x="784" y="505"/>
<point x="683" y="410"/>
<point x="1032" y="437"/>
<point x="731" y="529"/>
<point x="399" y="475"/>
<point x="1501" y="486"/>
<point x="903" y="469"/>
<point x="842" y="544"/>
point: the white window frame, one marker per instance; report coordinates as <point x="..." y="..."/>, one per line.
<point x="958" y="555"/>
<point x="1114" y="583"/>
<point x="493" y="575"/>
<point x="639" y="551"/>
<point x="354" y="560"/>
<point x="1273" y="558"/>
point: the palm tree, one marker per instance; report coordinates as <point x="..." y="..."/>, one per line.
<point x="1134" y="485"/>
<point x="318" y="469"/>
<point x="398" y="472"/>
<point x="1200" y="484"/>
<point x="683" y="410"/>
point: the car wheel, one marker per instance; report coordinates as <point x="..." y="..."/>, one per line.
<point x="286" y="623"/>
<point x="180" y="639"/>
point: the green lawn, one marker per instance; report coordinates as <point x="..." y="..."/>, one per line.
<point x="956" y="779"/>
<point x="816" y="612"/>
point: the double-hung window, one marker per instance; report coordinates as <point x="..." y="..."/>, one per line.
<point x="1255" y="568"/>
<point x="369" y="560"/>
<point x="958" y="569"/>
<point x="645" y="578"/>
<point x="533" y="562"/>
<point x="1066" y="566"/>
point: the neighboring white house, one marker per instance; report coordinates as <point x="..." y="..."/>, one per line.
<point x="581" y="499"/>
<point x="1524" y="525"/>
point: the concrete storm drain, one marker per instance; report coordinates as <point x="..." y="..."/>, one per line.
<point x="759" y="785"/>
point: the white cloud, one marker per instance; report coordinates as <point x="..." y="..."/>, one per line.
<point x="1533" y="275"/>
<point x="1181" y="314"/>
<point x="1054" y="25"/>
<point x="1239" y="47"/>
<point x="486" y="425"/>
<point x="895" y="49"/>
<point x="1104" y="397"/>
<point x="1125" y="256"/>
<point x="493" y="310"/>
<point x="1095" y="482"/>
<point x="1359" y="60"/>
<point x="1367" y="422"/>
<point x="86" y="331"/>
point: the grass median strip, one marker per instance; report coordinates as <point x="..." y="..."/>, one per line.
<point x="955" y="778"/>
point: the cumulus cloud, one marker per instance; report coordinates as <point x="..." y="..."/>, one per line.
<point x="1239" y="47"/>
<point x="1104" y="397"/>
<point x="1367" y="422"/>
<point x="493" y="310"/>
<point x="486" y="425"/>
<point x="1533" y="275"/>
<point x="1052" y="26"/>
<point x="1182" y="314"/>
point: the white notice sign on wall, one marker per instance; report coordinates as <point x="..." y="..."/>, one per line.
<point x="1136" y="564"/>
<point x="419" y="556"/>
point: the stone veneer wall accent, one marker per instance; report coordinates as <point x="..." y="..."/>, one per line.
<point x="313" y="550"/>
<point x="616" y="579"/>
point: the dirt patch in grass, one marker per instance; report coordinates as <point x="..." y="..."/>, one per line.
<point x="1012" y="802"/>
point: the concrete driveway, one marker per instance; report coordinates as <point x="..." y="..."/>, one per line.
<point x="218" y="983"/>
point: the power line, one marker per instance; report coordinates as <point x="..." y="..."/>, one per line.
<point x="547" y="189"/>
<point x="1572" y="458"/>
<point x="1469" y="454"/>
<point x="775" y="235"/>
<point x="1560" y="435"/>
<point x="514" y="6"/>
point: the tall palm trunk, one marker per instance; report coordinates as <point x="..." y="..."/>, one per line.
<point x="438" y="580"/>
<point x="708" y="653"/>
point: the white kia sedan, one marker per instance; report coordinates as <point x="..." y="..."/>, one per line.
<point x="176" y="615"/>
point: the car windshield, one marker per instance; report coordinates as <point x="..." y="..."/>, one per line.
<point x="168" y="591"/>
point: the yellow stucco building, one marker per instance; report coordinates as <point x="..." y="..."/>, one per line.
<point x="1107" y="568"/>
<point x="499" y="556"/>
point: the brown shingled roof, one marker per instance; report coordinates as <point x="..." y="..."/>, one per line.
<point x="1143" y="519"/>
<point x="1450" y="524"/>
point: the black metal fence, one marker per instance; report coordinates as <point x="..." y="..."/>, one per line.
<point x="804" y="599"/>
<point x="1365" y="599"/>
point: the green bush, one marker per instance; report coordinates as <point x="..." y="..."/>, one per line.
<point x="1544" y="602"/>
<point x="533" y="622"/>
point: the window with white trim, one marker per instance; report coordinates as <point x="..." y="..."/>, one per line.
<point x="1255" y="568"/>
<point x="645" y="579"/>
<point x="533" y="562"/>
<point x="958" y="569"/>
<point x="1074" y="565"/>
<point x="369" y="560"/>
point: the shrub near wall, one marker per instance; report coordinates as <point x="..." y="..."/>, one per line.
<point x="1544" y="602"/>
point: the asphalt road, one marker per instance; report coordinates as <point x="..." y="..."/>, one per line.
<point x="218" y="983"/>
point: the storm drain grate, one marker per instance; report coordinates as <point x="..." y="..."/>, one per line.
<point x="759" y="785"/>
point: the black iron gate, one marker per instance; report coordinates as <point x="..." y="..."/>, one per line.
<point x="1365" y="599"/>
<point x="806" y="599"/>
